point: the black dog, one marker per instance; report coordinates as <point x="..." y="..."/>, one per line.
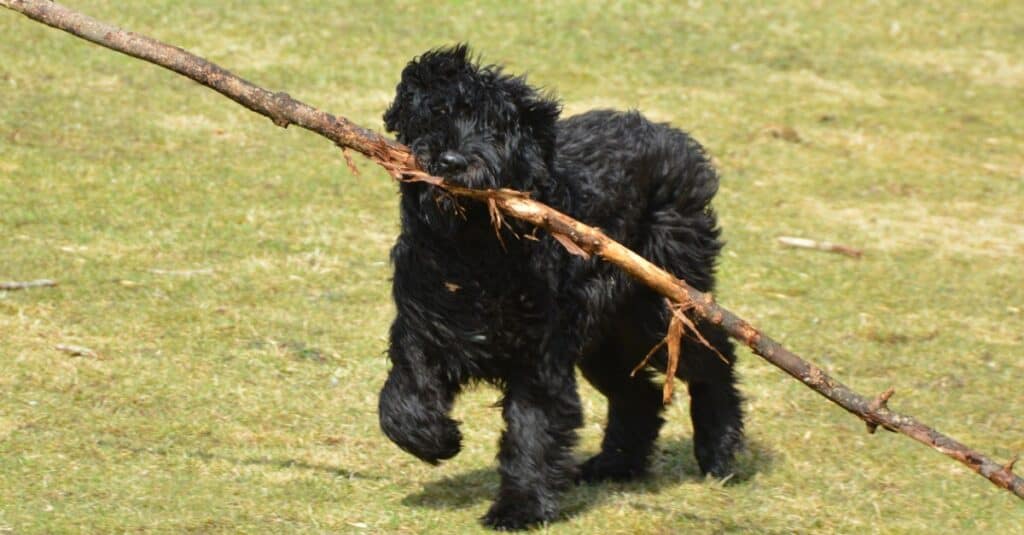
<point x="522" y="313"/>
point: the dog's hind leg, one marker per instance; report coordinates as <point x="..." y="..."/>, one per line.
<point x="634" y="416"/>
<point x="714" y="401"/>
<point x="684" y="240"/>
<point x="542" y="411"/>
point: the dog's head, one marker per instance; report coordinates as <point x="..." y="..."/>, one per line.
<point x="473" y="124"/>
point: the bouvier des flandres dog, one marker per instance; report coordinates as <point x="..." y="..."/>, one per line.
<point x="520" y="312"/>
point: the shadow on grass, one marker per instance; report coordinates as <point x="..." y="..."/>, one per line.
<point x="673" y="464"/>
<point x="457" y="492"/>
<point x="675" y="461"/>
<point x="260" y="460"/>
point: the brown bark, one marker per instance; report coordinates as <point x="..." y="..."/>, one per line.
<point x="578" y="237"/>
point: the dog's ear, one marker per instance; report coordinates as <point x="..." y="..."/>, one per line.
<point x="391" y="117"/>
<point x="399" y="108"/>
<point x="539" y="115"/>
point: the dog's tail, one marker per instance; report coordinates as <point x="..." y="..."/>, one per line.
<point x="687" y="180"/>
<point x="683" y="233"/>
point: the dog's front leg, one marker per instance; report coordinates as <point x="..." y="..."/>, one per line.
<point x="542" y="412"/>
<point x="416" y="400"/>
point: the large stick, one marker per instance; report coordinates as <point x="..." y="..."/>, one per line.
<point x="578" y="237"/>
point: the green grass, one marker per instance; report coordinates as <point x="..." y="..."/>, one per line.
<point x="242" y="398"/>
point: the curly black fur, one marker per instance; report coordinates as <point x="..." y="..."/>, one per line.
<point x="521" y="313"/>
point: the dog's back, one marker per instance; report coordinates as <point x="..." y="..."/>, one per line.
<point x="633" y="179"/>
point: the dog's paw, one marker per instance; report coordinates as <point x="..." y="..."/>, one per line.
<point x="517" y="515"/>
<point x="432" y="439"/>
<point x="610" y="467"/>
<point x="716" y="457"/>
<point x="717" y="467"/>
<point x="436" y="442"/>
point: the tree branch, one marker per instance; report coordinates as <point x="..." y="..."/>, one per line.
<point x="400" y="163"/>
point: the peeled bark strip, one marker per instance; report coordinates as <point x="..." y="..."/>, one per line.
<point x="578" y="237"/>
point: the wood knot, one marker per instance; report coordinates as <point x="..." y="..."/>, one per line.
<point x="880" y="402"/>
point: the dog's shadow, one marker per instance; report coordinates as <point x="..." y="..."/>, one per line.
<point x="276" y="462"/>
<point x="673" y="463"/>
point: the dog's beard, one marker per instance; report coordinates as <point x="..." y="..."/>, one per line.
<point x="483" y="164"/>
<point x="488" y="166"/>
<point x="447" y="213"/>
<point x="484" y="168"/>
<point x="480" y="174"/>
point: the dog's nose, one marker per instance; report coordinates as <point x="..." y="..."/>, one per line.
<point x="451" y="162"/>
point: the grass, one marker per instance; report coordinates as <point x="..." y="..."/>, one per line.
<point x="242" y="397"/>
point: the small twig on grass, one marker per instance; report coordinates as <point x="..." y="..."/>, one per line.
<point x="804" y="243"/>
<point x="76" y="351"/>
<point x="24" y="285"/>
<point x="783" y="132"/>
<point x="400" y="163"/>
<point x="182" y="272"/>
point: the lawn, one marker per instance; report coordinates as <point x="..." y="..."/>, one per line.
<point x="233" y="277"/>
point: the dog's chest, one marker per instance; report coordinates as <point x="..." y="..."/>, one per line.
<point x="487" y="300"/>
<point x="494" y="290"/>
<point x="491" y="326"/>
